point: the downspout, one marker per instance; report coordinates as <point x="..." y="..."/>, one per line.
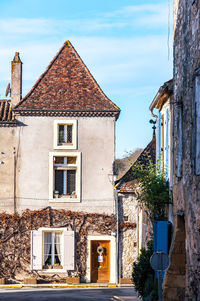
<point x="138" y="230"/>
<point x="117" y="235"/>
<point x="14" y="186"/>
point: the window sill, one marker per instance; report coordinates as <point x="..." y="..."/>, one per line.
<point x="65" y="146"/>
<point x="64" y="200"/>
<point x="53" y="270"/>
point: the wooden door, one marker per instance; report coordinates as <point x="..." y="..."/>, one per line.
<point x="100" y="266"/>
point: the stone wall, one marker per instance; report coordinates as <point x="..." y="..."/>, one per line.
<point x="127" y="235"/>
<point x="186" y="187"/>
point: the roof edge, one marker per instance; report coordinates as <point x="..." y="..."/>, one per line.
<point x="162" y="90"/>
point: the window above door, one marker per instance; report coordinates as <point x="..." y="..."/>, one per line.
<point x="65" y="134"/>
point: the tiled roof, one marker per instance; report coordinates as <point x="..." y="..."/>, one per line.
<point x="67" y="85"/>
<point x="128" y="181"/>
<point x="6" y="113"/>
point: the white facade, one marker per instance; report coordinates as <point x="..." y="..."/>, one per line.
<point x="95" y="150"/>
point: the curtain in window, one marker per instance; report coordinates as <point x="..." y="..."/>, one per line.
<point x="57" y="245"/>
<point x="47" y="245"/>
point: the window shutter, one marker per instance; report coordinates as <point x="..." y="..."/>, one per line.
<point x="159" y="137"/>
<point x="197" y="125"/>
<point x="69" y="247"/>
<point x="179" y="146"/>
<point x="36" y="250"/>
<point x="167" y="143"/>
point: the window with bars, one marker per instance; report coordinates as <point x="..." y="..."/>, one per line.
<point x="65" y="176"/>
<point x="65" y="134"/>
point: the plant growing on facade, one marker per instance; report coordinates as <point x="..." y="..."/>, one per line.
<point x="153" y="194"/>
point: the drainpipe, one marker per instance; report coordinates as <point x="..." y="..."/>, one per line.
<point x="14" y="186"/>
<point x="117" y="236"/>
<point x="138" y="229"/>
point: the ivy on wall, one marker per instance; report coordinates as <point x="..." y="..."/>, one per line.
<point x="15" y="239"/>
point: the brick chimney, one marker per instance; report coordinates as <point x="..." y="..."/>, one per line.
<point x="16" y="79"/>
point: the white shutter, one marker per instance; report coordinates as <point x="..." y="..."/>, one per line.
<point x="36" y="250"/>
<point x="69" y="247"/>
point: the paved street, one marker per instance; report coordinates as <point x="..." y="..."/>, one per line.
<point x="98" y="294"/>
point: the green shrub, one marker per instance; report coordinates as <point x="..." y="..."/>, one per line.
<point x="143" y="274"/>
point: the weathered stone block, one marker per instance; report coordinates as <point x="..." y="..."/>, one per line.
<point x="170" y="295"/>
<point x="72" y="280"/>
<point x="175" y="281"/>
<point x="2" y="280"/>
<point x="30" y="281"/>
<point x="125" y="281"/>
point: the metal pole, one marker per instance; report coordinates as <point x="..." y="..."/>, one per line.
<point x="160" y="285"/>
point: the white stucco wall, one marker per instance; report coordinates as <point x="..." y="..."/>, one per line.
<point x="7" y="144"/>
<point x="96" y="142"/>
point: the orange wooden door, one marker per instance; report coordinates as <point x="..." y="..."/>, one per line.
<point x="100" y="266"/>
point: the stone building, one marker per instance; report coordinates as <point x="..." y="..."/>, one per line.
<point x="57" y="202"/>
<point x="134" y="227"/>
<point x="182" y="281"/>
<point x="162" y="103"/>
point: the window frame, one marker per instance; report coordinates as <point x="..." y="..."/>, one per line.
<point x="76" y="166"/>
<point x="53" y="231"/>
<point x="67" y="254"/>
<point x="72" y="145"/>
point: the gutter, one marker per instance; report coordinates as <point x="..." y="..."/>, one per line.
<point x="117" y="236"/>
<point x="156" y="99"/>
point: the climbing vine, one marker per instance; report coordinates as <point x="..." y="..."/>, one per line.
<point x="153" y="194"/>
<point x="15" y="240"/>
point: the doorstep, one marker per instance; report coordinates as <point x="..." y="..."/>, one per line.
<point x="57" y="285"/>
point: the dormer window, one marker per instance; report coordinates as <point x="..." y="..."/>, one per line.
<point x="65" y="134"/>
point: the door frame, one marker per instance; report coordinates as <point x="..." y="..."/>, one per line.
<point x="112" y="240"/>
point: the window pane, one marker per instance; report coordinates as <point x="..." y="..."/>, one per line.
<point x="71" y="181"/>
<point x="57" y="249"/>
<point x="61" y="134"/>
<point x="71" y="160"/>
<point x="59" y="160"/>
<point x="69" y="133"/>
<point x="59" y="174"/>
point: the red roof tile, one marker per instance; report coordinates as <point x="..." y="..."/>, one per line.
<point x="128" y="181"/>
<point x="66" y="85"/>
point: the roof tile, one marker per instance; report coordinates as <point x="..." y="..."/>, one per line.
<point x="67" y="85"/>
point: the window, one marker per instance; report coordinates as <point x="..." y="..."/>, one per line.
<point x="52" y="257"/>
<point x="65" y="134"/>
<point x="52" y="249"/>
<point x="64" y="177"/>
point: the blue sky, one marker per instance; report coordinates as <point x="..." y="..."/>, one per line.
<point x="123" y="43"/>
